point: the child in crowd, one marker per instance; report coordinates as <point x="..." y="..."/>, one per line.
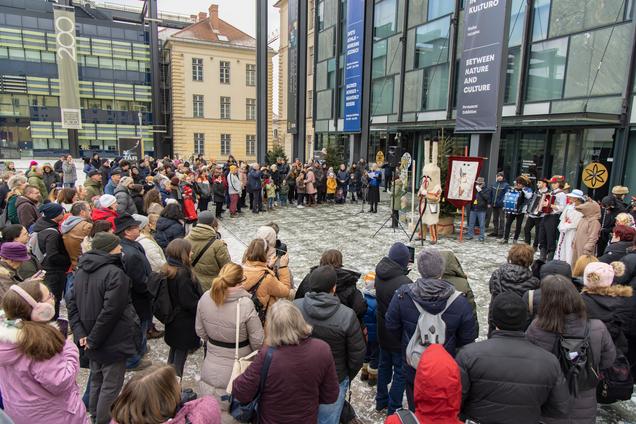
<point x="270" y="191"/>
<point x="332" y="184"/>
<point x="371" y="359"/>
<point x="283" y="192"/>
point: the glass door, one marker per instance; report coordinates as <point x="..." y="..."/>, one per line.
<point x="531" y="153"/>
<point x="564" y="152"/>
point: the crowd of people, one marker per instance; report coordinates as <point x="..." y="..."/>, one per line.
<point x="87" y="273"/>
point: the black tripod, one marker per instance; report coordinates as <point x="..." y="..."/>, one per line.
<point x="419" y="223"/>
<point x="364" y="193"/>
<point x="392" y="216"/>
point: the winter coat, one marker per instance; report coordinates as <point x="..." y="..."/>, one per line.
<point x="549" y="268"/>
<point x="337" y="325"/>
<point x="138" y="200"/>
<point x="153" y="251"/>
<point x="167" y="230"/>
<point x="52" y="245"/>
<point x="254" y="180"/>
<point x="234" y="185"/>
<point x="93" y="189"/>
<point x="185" y="293"/>
<point x="204" y="410"/>
<point x="507" y="376"/>
<point x="12" y="210"/>
<point x="509" y="277"/>
<point x="218" y="323"/>
<point x="125" y="202"/>
<point x="569" y="220"/>
<point x="212" y="260"/>
<point x="293" y="390"/>
<point x="110" y="187"/>
<point x="346" y="290"/>
<point x="37" y="181"/>
<point x="431" y="295"/>
<point x="613" y="306"/>
<point x="370" y="321"/>
<point x="74" y="229"/>
<point x="389" y="276"/>
<point x="481" y="200"/>
<point x="587" y="231"/>
<point x="218" y="189"/>
<point x="615" y="251"/>
<point x="437" y="391"/>
<point x="271" y="288"/>
<point x="51" y="179"/>
<point x="582" y="409"/>
<point x="310" y="183"/>
<point x="300" y="185"/>
<point x="101" y="309"/>
<point x="138" y="269"/>
<point x="39" y="391"/>
<point x="332" y="185"/>
<point x="454" y="274"/>
<point x="27" y="211"/>
<point x="343" y="178"/>
<point x="104" y="214"/>
<point x="8" y="277"/>
<point x="497" y="193"/>
<point x="70" y="172"/>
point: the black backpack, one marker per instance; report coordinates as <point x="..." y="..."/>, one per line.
<point x="162" y="307"/>
<point x="261" y="309"/>
<point x="577" y="361"/>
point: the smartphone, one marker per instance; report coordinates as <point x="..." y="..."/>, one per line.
<point x="39" y="275"/>
<point x="411" y="254"/>
<point x="63" y="326"/>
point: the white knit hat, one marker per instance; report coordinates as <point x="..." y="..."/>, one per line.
<point x="106" y="200"/>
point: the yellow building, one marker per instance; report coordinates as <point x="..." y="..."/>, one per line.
<point x="282" y="78"/>
<point x="213" y="89"/>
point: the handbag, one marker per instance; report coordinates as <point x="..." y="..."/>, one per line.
<point x="616" y="382"/>
<point x="240" y="364"/>
<point x="248" y="412"/>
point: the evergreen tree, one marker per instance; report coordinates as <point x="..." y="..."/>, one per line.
<point x="333" y="155"/>
<point x="277" y="152"/>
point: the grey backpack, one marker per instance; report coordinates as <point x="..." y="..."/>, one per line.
<point x="431" y="329"/>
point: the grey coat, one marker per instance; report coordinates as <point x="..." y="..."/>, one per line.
<point x="69" y="173"/>
<point x="219" y="323"/>
<point x="583" y="408"/>
<point x="125" y="202"/>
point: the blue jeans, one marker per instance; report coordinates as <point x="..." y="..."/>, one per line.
<point x="481" y="217"/>
<point x="135" y="360"/>
<point x="390" y="369"/>
<point x="87" y="392"/>
<point x="372" y="355"/>
<point x="330" y="413"/>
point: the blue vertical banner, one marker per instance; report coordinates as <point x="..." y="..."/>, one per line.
<point x="353" y="65"/>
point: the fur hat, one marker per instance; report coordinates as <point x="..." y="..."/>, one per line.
<point x="620" y="190"/>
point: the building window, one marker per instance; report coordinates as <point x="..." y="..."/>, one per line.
<point x="224" y="69"/>
<point x="310" y="103"/>
<point x="225" y="107"/>
<point x="431" y="43"/>
<point x="197" y="69"/>
<point x="197" y="105"/>
<point x="250" y="145"/>
<point x="225" y="144"/>
<point x="546" y="70"/>
<point x="385" y="19"/>
<point x="199" y="143"/>
<point x="250" y="74"/>
<point x="382" y="96"/>
<point x="250" y="113"/>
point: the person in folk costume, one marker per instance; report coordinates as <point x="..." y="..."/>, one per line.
<point x="189" y="208"/>
<point x="567" y="226"/>
<point x="430" y="191"/>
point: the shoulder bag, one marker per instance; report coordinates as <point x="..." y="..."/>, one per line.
<point x="240" y="364"/>
<point x="248" y="412"/>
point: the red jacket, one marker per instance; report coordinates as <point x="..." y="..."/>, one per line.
<point x="438" y="389"/>
<point x="109" y="215"/>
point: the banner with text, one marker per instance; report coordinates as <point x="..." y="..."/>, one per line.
<point x="292" y="66"/>
<point x="480" y="67"/>
<point x="67" y="67"/>
<point x="353" y="65"/>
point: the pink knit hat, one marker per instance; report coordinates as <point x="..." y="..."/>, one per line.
<point x="598" y="274"/>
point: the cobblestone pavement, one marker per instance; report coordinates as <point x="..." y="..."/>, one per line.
<point x="309" y="231"/>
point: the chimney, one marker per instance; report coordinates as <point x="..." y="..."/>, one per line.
<point x="202" y="16"/>
<point x="214" y="15"/>
<point x="194" y="18"/>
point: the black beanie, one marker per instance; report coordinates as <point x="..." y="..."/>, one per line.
<point x="105" y="242"/>
<point x="509" y="312"/>
<point x="322" y="279"/>
<point x="556" y="267"/>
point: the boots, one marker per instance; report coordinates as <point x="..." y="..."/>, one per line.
<point x="373" y="377"/>
<point x="364" y="372"/>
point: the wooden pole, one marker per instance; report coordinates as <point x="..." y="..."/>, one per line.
<point x="461" y="224"/>
<point x="413" y="168"/>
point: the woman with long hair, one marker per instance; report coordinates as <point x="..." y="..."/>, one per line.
<point x="171" y="225"/>
<point x="66" y="197"/>
<point x="185" y="293"/>
<point x="16" y="184"/>
<point x="562" y="313"/>
<point x="579" y="268"/>
<point x="216" y="323"/>
<point x="153" y="396"/>
<point x="38" y="365"/>
<point x="152" y="202"/>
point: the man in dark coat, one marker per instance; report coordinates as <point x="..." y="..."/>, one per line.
<point x="104" y="321"/>
<point x="390" y="274"/>
<point x="255" y="189"/>
<point x="507" y="376"/>
<point x="431" y="294"/>
<point x="56" y="260"/>
<point x="27" y="206"/>
<point x="337" y="325"/>
<point x="137" y="267"/>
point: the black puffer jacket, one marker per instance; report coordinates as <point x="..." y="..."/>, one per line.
<point x="138" y="269"/>
<point x="167" y="230"/>
<point x="509" y="277"/>
<point x="613" y="306"/>
<point x="389" y="276"/>
<point x="507" y="376"/>
<point x="616" y="251"/>
<point x="554" y="267"/>
<point x="101" y="309"/>
<point x="185" y="292"/>
<point x="51" y="243"/>
<point x="337" y="325"/>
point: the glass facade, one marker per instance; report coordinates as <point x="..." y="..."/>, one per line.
<point x="114" y="73"/>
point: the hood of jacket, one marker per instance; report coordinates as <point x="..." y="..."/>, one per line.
<point x="453" y="267"/>
<point x="438" y="388"/>
<point x="515" y="274"/>
<point x="388" y="269"/>
<point x="21" y="200"/>
<point x="556" y="268"/>
<point x="202" y="232"/>
<point x="164" y="223"/>
<point x="120" y="188"/>
<point x="622" y="247"/>
<point x="610" y="292"/>
<point x="431" y="293"/>
<point x="92" y="260"/>
<point x="590" y="210"/>
<point x="43" y="223"/>
<point x="98" y="214"/>
<point x="70" y="223"/>
<point x="320" y="306"/>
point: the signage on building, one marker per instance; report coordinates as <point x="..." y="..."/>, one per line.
<point x="595" y="175"/>
<point x="480" y="66"/>
<point x="353" y="65"/>
<point x="66" y="51"/>
<point x="130" y="149"/>
<point x="292" y="66"/>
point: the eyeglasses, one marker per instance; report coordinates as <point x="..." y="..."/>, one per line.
<point x="48" y="298"/>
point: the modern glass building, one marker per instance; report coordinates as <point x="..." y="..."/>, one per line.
<point x="568" y="90"/>
<point x="114" y="72"/>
